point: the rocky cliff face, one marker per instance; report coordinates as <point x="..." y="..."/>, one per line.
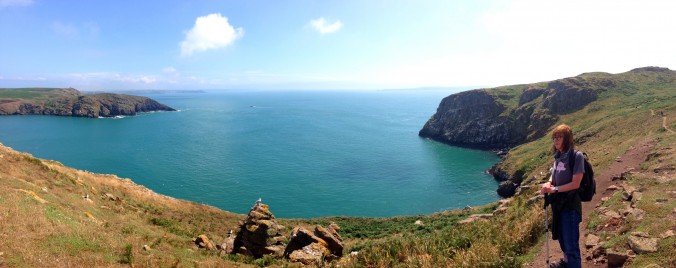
<point x="76" y="104"/>
<point x="493" y="119"/>
<point x="480" y="119"/>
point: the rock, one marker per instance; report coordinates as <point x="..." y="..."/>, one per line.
<point x="667" y="234"/>
<point x="228" y="246"/>
<point x="612" y="214"/>
<point x="652" y="265"/>
<point x="640" y="244"/>
<point x="146" y="247"/>
<point x="111" y="197"/>
<point x="507" y="189"/>
<point x="474" y="217"/>
<point x="332" y="238"/>
<point x="521" y="189"/>
<point x="534" y="199"/>
<point x="636" y="214"/>
<point x="324" y="243"/>
<point x="661" y="200"/>
<point x="605" y="199"/>
<point x="628" y="192"/>
<point x="260" y="234"/>
<point x="310" y="254"/>
<point x="418" y="222"/>
<point x="591" y="241"/>
<point x="202" y="241"/>
<point x="616" y="259"/>
<point x="636" y="196"/>
<point x="598" y="251"/>
<point x="467" y="208"/>
<point x="612" y="188"/>
<point x="500" y="210"/>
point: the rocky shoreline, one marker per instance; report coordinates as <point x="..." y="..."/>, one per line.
<point x="71" y="102"/>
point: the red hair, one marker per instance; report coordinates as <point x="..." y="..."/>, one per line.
<point x="567" y="133"/>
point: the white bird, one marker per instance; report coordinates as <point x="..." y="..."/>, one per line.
<point x="258" y="202"/>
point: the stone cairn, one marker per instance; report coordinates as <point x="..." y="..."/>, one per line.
<point x="260" y="234"/>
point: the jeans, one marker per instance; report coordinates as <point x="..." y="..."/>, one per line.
<point x="569" y="237"/>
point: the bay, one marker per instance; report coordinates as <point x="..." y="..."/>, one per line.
<point x="305" y="153"/>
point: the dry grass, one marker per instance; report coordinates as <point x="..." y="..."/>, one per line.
<point x="46" y="222"/>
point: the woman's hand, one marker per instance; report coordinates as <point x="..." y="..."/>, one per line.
<point x="547" y="188"/>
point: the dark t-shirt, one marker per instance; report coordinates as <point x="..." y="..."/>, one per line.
<point x="563" y="174"/>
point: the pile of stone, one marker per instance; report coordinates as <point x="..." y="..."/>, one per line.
<point x="260" y="234"/>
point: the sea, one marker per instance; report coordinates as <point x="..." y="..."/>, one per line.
<point x="305" y="153"/>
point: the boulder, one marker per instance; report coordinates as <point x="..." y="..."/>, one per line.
<point x="667" y="234"/>
<point x="616" y="259"/>
<point x="202" y="241"/>
<point x="260" y="234"/>
<point x="591" y="241"/>
<point x="642" y="243"/>
<point x="310" y="247"/>
<point x="507" y="189"/>
<point x="628" y="192"/>
<point x="310" y="254"/>
<point x="228" y="246"/>
<point x="332" y="238"/>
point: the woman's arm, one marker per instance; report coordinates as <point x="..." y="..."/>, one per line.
<point x="573" y="185"/>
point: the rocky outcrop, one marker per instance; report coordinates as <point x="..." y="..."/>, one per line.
<point x="260" y="234"/>
<point x="72" y="103"/>
<point x="314" y="247"/>
<point x="481" y="119"/>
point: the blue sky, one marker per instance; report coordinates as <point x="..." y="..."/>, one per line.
<point x="378" y="44"/>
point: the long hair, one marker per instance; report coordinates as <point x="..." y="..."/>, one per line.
<point x="567" y="134"/>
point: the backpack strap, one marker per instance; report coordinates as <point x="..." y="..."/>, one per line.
<point x="571" y="161"/>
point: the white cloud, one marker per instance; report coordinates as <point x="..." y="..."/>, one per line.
<point x="324" y="27"/>
<point x="7" y="3"/>
<point x="66" y="30"/>
<point x="87" y="30"/>
<point x="169" y="70"/>
<point x="209" y="32"/>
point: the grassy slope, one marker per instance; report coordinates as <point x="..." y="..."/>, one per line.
<point x="35" y="94"/>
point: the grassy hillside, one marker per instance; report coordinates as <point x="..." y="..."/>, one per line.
<point x="36" y="94"/>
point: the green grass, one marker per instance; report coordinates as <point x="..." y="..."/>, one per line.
<point x="28" y="93"/>
<point x="72" y="244"/>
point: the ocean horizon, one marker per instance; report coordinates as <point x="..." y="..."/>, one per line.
<point x="305" y="153"/>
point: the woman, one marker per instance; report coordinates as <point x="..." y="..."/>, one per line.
<point x="566" y="204"/>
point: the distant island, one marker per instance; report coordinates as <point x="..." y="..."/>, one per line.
<point x="71" y="102"/>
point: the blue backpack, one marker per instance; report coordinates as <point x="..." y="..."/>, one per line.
<point x="588" y="185"/>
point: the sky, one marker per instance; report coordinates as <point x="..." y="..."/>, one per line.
<point x="341" y="44"/>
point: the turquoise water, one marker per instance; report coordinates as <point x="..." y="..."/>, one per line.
<point x="305" y="153"/>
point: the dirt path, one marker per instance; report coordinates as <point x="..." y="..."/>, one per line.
<point x="664" y="124"/>
<point x="631" y="159"/>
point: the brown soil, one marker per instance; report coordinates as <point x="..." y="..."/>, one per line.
<point x="630" y="160"/>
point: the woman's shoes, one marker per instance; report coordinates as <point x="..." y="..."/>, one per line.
<point x="558" y="264"/>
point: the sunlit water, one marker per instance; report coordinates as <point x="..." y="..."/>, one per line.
<point x="305" y="153"/>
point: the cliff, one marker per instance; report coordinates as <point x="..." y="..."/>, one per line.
<point x="70" y="102"/>
<point x="506" y="117"/>
<point x="491" y="119"/>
